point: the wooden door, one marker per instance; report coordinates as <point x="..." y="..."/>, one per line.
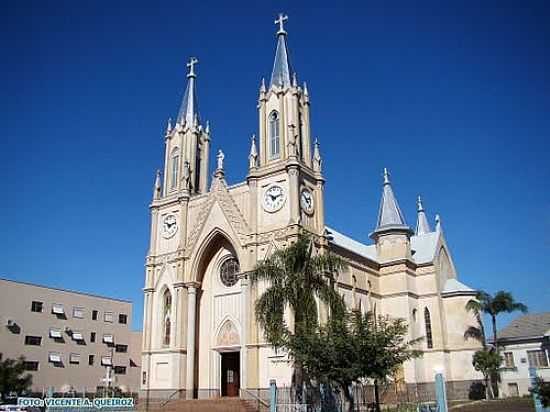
<point x="230" y="373"/>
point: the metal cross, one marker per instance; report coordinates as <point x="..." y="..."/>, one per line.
<point x="280" y="21"/>
<point x="191" y="66"/>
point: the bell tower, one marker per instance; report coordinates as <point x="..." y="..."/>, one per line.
<point x="283" y="110"/>
<point x="284" y="166"/>
<point x="187" y="144"/>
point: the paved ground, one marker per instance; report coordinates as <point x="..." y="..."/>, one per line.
<point x="508" y="405"/>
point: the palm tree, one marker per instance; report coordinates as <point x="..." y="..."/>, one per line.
<point x="295" y="278"/>
<point x="501" y="302"/>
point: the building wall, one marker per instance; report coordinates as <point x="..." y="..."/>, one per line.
<point x="15" y="304"/>
<point x="519" y="373"/>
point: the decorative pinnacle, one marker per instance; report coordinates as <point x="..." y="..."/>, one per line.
<point x="419" y="206"/>
<point x="169" y="125"/>
<point x="207" y="128"/>
<point x="294" y="80"/>
<point x="191" y="66"/>
<point x="262" y="86"/>
<point x="253" y="150"/>
<point x="386" y="177"/>
<point x="306" y="92"/>
<point x="280" y="21"/>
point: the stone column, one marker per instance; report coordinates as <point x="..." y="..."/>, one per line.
<point x="244" y="332"/>
<point x="191" y="324"/>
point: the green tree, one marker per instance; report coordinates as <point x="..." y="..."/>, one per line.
<point x="352" y="347"/>
<point x="542" y="390"/>
<point x="487" y="362"/>
<point x="295" y="278"/>
<point x="501" y="302"/>
<point x="13" y="378"/>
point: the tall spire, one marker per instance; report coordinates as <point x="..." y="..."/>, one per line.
<point x="390" y="216"/>
<point x="282" y="70"/>
<point x="422" y="225"/>
<point x="189" y="109"/>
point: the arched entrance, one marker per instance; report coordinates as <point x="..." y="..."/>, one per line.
<point x="217" y="366"/>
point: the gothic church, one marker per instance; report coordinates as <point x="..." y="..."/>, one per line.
<point x="200" y="336"/>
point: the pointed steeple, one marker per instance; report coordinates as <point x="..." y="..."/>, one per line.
<point x="422" y="225"/>
<point x="390" y="216"/>
<point x="282" y="70"/>
<point x="189" y="109"/>
<point x="437" y="223"/>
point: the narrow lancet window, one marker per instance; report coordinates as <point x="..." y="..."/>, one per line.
<point x="167" y="324"/>
<point x="274" y="143"/>
<point x="428" y="322"/>
<point x="175" y="169"/>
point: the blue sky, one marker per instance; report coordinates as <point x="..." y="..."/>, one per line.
<point x="452" y="97"/>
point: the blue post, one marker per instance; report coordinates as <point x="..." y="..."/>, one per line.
<point x="538" y="404"/>
<point x="272" y="395"/>
<point x="440" y="393"/>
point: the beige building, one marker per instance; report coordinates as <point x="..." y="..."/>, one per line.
<point x="70" y="340"/>
<point x="200" y="336"/>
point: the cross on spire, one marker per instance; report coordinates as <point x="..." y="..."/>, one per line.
<point x="280" y="21"/>
<point x="191" y="66"/>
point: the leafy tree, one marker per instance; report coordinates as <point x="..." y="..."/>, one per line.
<point x="13" y="377"/>
<point x="542" y="390"/>
<point x="352" y="347"/>
<point x="501" y="302"/>
<point x="296" y="277"/>
<point x="487" y="362"/>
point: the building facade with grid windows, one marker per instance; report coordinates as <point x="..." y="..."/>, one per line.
<point x="70" y="340"/>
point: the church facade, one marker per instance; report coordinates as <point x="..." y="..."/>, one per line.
<point x="200" y="335"/>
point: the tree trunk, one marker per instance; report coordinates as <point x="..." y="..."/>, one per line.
<point x="349" y="402"/>
<point x="376" y="396"/>
<point x="494" y="320"/>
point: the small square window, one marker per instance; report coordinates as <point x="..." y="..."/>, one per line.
<point x="78" y="313"/>
<point x="144" y="377"/>
<point x="108" y="317"/>
<point x="106" y="361"/>
<point x="122" y="318"/>
<point x="77" y="336"/>
<point x="54" y="357"/>
<point x="30" y="365"/>
<point x="108" y="339"/>
<point x="74" y="358"/>
<point x="37" y="306"/>
<point x="57" y="309"/>
<point x="33" y="340"/>
<point x="94" y="314"/>
<point x="91" y="360"/>
<point x="120" y="370"/>
<point x="121" y="348"/>
<point x="92" y="337"/>
<point x="55" y="333"/>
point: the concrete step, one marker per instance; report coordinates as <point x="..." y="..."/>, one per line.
<point x="207" y="405"/>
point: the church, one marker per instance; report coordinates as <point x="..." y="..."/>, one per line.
<point x="200" y="336"/>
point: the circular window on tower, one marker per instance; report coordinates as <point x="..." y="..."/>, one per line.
<point x="229" y="272"/>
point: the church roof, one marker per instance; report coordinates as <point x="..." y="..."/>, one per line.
<point x="423" y="246"/>
<point x="282" y="70"/>
<point x="527" y="326"/>
<point x="453" y="285"/>
<point x="339" y="239"/>
<point x="189" y="108"/>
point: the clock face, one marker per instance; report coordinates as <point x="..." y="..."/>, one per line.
<point x="274" y="198"/>
<point x="169" y="226"/>
<point x="306" y="201"/>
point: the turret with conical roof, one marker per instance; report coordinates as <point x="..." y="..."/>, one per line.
<point x="392" y="234"/>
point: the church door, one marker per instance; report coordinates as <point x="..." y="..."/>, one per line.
<point x="230" y="373"/>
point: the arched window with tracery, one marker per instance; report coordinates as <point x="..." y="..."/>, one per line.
<point x="166" y="319"/>
<point x="428" y="322"/>
<point x="274" y="135"/>
<point x="175" y="162"/>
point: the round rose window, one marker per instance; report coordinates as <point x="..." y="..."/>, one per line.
<point x="229" y="272"/>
